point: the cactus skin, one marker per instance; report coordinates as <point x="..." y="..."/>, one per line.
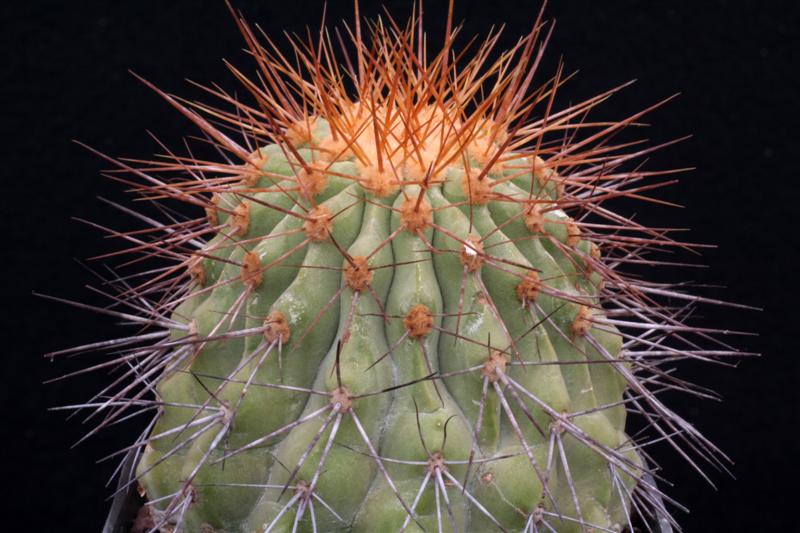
<point x="399" y="311"/>
<point x="426" y="295"/>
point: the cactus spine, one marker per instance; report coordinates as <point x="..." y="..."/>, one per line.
<point x="403" y="307"/>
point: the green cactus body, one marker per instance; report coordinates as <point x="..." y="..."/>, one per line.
<point x="400" y="343"/>
<point x="402" y="307"/>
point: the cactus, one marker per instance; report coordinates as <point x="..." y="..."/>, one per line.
<point x="403" y="306"/>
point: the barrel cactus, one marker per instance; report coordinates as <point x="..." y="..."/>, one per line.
<point x="401" y="303"/>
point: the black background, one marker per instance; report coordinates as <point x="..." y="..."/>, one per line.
<point x="65" y="67"/>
